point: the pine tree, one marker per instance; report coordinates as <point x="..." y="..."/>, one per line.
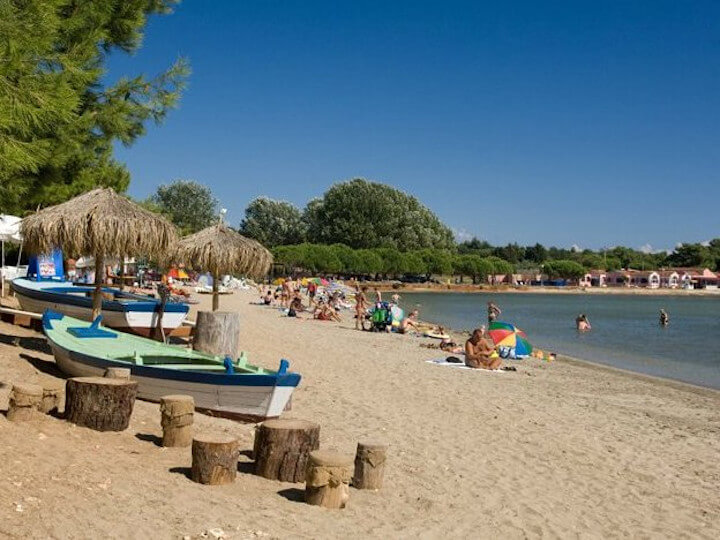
<point x="58" y="122"/>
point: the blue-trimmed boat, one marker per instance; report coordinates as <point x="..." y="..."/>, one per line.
<point x="45" y="288"/>
<point x="219" y="386"/>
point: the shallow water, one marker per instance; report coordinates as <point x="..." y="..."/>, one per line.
<point x="625" y="330"/>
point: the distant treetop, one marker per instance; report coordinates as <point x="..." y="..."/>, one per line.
<point x="364" y="214"/>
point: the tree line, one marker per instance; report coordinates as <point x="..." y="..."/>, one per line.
<point x="384" y="263"/>
<point x="361" y="227"/>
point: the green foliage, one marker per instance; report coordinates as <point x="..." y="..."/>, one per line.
<point x="511" y="253"/>
<point x="273" y="223"/>
<point x="500" y="266"/>
<point x="58" y="122"/>
<point x="476" y="267"/>
<point x="437" y="261"/>
<point x="189" y="204"/>
<point x="475" y="247"/>
<point x="366" y="214"/>
<point x="537" y="253"/>
<point x="564" y="269"/>
<point x="696" y="255"/>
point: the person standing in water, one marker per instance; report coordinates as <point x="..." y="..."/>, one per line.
<point x="664" y="318"/>
<point x="582" y="323"/>
<point x="493" y="311"/>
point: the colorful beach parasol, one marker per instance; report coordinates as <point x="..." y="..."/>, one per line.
<point x="178" y="273"/>
<point x="510" y="341"/>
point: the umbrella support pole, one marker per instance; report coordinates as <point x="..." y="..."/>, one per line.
<point x="97" y="293"/>
<point x="215" y="293"/>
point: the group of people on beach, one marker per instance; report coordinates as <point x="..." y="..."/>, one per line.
<point x="288" y="295"/>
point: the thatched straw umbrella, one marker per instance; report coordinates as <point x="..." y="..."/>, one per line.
<point x="220" y="250"/>
<point x="99" y="223"/>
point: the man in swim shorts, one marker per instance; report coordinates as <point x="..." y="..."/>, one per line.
<point x="360" y="306"/>
<point x="478" y="351"/>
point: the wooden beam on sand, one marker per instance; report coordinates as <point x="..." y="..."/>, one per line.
<point x="20" y="312"/>
<point x="18" y="317"/>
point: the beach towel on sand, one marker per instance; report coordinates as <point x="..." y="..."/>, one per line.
<point x="443" y="362"/>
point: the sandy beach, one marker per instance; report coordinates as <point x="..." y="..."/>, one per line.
<point x="559" y="449"/>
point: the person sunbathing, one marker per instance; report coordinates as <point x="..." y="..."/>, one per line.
<point x="450" y="346"/>
<point x="323" y="312"/>
<point x="296" y="306"/>
<point x="409" y="322"/>
<point x="268" y="298"/>
<point x="478" y="351"/>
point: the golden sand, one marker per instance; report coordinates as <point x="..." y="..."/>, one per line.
<point x="556" y="449"/>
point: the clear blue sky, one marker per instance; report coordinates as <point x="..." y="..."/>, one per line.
<point x="560" y="122"/>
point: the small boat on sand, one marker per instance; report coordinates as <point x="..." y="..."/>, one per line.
<point x="46" y="288"/>
<point x="219" y="386"/>
<point x="123" y="310"/>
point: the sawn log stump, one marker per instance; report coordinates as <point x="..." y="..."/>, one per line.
<point x="118" y="373"/>
<point x="177" y="420"/>
<point x="217" y="332"/>
<point x="328" y="478"/>
<point x="214" y="459"/>
<point x="369" y="465"/>
<point x="25" y="401"/>
<point x="53" y="396"/>
<point x="100" y="403"/>
<point x="282" y="447"/>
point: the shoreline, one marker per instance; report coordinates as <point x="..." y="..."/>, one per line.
<point x="500" y="289"/>
<point x="706" y="391"/>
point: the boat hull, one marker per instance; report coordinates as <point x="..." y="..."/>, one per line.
<point x="249" y="402"/>
<point x="122" y="317"/>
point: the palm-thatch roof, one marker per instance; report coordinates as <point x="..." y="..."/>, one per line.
<point x="99" y="222"/>
<point x="220" y="250"/>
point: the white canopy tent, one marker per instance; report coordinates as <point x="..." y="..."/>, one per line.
<point x="9" y="232"/>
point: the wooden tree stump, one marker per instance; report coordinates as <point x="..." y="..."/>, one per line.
<point x="53" y="396"/>
<point x="100" y="403"/>
<point x="118" y="373"/>
<point x="177" y="420"/>
<point x="328" y="479"/>
<point x="282" y="447"/>
<point x="369" y="465"/>
<point x="25" y="401"/>
<point x="214" y="459"/>
<point x="217" y="332"/>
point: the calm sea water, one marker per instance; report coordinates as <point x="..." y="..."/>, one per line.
<point x="625" y="330"/>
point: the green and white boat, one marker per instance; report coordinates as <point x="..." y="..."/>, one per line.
<point x="219" y="385"/>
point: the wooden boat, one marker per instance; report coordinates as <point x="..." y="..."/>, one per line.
<point x="220" y="386"/>
<point x="122" y="310"/>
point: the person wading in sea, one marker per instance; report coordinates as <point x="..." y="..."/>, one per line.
<point x="493" y="311"/>
<point x="664" y="318"/>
